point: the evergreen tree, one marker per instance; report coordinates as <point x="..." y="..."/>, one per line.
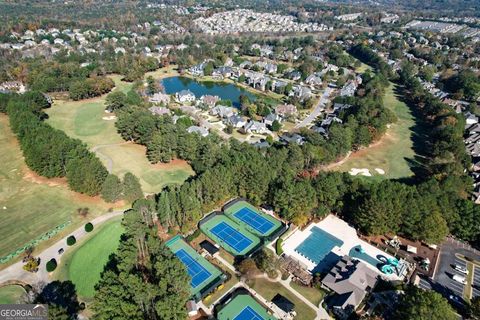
<point x="143" y="280"/>
<point x="132" y="190"/>
<point x="112" y="188"/>
<point x="418" y="304"/>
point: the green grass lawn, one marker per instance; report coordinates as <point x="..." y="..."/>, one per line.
<point x="83" y="120"/>
<point x="30" y="205"/>
<point x="268" y="290"/>
<point x="84" y="264"/>
<point x="313" y="295"/>
<point x="394" y="153"/>
<point x="11" y="294"/>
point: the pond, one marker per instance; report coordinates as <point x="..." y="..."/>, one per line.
<point x="225" y="91"/>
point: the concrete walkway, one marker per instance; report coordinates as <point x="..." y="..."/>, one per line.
<point x="15" y="272"/>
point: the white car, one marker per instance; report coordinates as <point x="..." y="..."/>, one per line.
<point x="461" y="269"/>
<point x="459" y="278"/>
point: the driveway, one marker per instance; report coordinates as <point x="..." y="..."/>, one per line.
<point x="324" y="99"/>
<point x="16" y="273"/>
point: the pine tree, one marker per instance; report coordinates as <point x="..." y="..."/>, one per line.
<point x="132" y="190"/>
<point x="143" y="280"/>
<point x="112" y="188"/>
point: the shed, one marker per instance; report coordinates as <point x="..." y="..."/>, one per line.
<point x="209" y="247"/>
<point x="283" y="303"/>
<point x="411" y="249"/>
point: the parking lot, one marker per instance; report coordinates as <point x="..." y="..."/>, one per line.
<point x="457" y="287"/>
<point x="476" y="282"/>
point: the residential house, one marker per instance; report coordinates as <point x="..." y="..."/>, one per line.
<point x="278" y="84"/>
<point x="236" y="121"/>
<point x="159" y="98"/>
<point x="256" y="127"/>
<point x="209" y="100"/>
<point x="338" y="107"/>
<point x="13" y="86"/>
<point x="348" y="89"/>
<point x="270" y="68"/>
<point x="292" y="138"/>
<point x="223" y="111"/>
<point x="197" y="70"/>
<point x="223" y="71"/>
<point x="269" y="119"/>
<point x="159" y="111"/>
<point x="301" y="92"/>
<point x="314" y="80"/>
<point x="470" y="118"/>
<point x="331" y="118"/>
<point x="295" y="75"/>
<point x="198" y="130"/>
<point x="351" y="280"/>
<point x="184" y="96"/>
<point x="286" y="110"/>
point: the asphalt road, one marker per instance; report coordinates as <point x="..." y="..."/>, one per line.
<point x="15" y="272"/>
<point x="318" y="109"/>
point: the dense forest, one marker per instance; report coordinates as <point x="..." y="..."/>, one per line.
<point x="143" y="279"/>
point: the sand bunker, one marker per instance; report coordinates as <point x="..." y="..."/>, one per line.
<point x="109" y="118"/>
<point x="363" y="172"/>
<point x="380" y="171"/>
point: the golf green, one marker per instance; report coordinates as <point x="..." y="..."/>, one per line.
<point x="85" y="263"/>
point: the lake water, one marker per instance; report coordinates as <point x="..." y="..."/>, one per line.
<point x="225" y="91"/>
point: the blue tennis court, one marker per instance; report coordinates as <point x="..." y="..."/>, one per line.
<point x="248" y="314"/>
<point x="196" y="271"/>
<point x="254" y="220"/>
<point x="230" y="236"/>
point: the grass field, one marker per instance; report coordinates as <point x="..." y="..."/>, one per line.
<point x="11" y="294"/>
<point x="313" y="295"/>
<point x="268" y="290"/>
<point x="83" y="120"/>
<point x="30" y="205"/>
<point x="394" y="153"/>
<point x="84" y="264"/>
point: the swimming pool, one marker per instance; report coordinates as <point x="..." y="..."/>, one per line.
<point x="356" y="252"/>
<point x="317" y="245"/>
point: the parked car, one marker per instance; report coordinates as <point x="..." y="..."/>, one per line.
<point x="459" y="278"/>
<point x="61" y="250"/>
<point x="461" y="269"/>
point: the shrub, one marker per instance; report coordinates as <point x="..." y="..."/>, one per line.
<point x="71" y="240"/>
<point x="193" y="235"/>
<point x="89" y="227"/>
<point x="278" y="247"/>
<point x="51" y="265"/>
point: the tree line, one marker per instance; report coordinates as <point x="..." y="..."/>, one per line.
<point x="143" y="279"/>
<point x="51" y="153"/>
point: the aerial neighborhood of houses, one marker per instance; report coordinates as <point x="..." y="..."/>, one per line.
<point x="265" y="93"/>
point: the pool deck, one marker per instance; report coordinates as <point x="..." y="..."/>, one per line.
<point x="343" y="231"/>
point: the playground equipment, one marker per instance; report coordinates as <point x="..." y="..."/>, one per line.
<point x="395" y="242"/>
<point x="387" y="269"/>
<point x="393" y="261"/>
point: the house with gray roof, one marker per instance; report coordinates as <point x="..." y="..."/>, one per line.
<point x="236" y="121"/>
<point x="351" y="280"/>
<point x="223" y="111"/>
<point x="198" y="130"/>
<point x="184" y="96"/>
<point x="256" y="127"/>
